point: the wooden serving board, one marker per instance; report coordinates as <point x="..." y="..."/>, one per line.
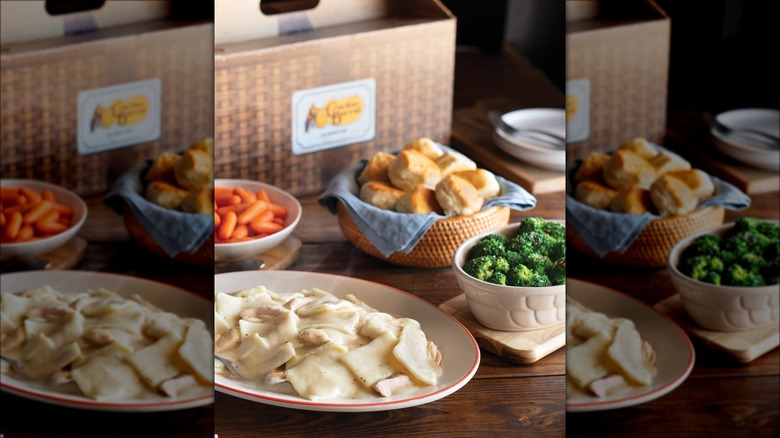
<point x="282" y="256"/>
<point x="68" y="255"/>
<point x="519" y="347"/>
<point x="745" y="346"/>
<point x="472" y="135"/>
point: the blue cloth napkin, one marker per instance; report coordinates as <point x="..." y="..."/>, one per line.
<point x="174" y="231"/>
<point x="607" y="232"/>
<point x="390" y="231"/>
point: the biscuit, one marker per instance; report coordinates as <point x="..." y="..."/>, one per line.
<point x="380" y="195"/>
<point x="671" y="196"/>
<point x="625" y="169"/>
<point x="195" y="169"/>
<point x="376" y="168"/>
<point x="411" y="168"/>
<point x="458" y="197"/>
<point x="162" y="168"/>
<point x="634" y="200"/>
<point x="483" y="180"/>
<point x="666" y="162"/>
<point x="451" y="161"/>
<point x="166" y="194"/>
<point x="592" y="168"/>
<point x="427" y="147"/>
<point x="595" y="194"/>
<point x="698" y="180"/>
<point x="421" y="200"/>
<point x="641" y="147"/>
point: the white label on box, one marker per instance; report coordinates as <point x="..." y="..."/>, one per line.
<point x="577" y="110"/>
<point x="332" y="116"/>
<point x="120" y="115"/>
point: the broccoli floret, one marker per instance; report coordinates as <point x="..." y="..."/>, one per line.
<point x="772" y="251"/>
<point x="497" y="278"/>
<point x="537" y="262"/>
<point x="746" y="224"/>
<point x="531" y="224"/>
<point x="769" y="229"/>
<point x="712" y="277"/>
<point x="745" y="242"/>
<point x="728" y="257"/>
<point x="707" y="244"/>
<point x="555" y="230"/>
<point x="513" y="258"/>
<point x="480" y="267"/>
<point x="558" y="251"/>
<point x="736" y="275"/>
<point x="519" y="275"/>
<point x="500" y="264"/>
<point x="492" y="244"/>
<point x="557" y="272"/>
<point x="771" y="272"/>
<point x="531" y="242"/>
<point x="541" y="280"/>
<point x="751" y="262"/>
<point x="698" y="267"/>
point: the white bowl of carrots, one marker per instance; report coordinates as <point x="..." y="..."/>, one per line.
<point x="251" y="218"/>
<point x="37" y="217"/>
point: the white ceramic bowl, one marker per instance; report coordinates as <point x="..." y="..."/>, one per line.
<point x="742" y="148"/>
<point x="242" y="250"/>
<point x="509" y="308"/>
<point x="43" y="246"/>
<point x="723" y="308"/>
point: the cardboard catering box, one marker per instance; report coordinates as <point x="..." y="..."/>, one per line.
<point x="81" y="109"/>
<point x="617" y="55"/>
<point x="300" y="96"/>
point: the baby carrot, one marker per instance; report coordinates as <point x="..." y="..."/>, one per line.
<point x="252" y="212"/>
<point x="13" y="226"/>
<point x="217" y="219"/>
<point x="25" y="233"/>
<point x="279" y="211"/>
<point x="30" y="194"/>
<point x="48" y="195"/>
<point x="50" y="227"/>
<point x="228" y="225"/>
<point x="262" y="194"/>
<point x="41" y="209"/>
<point x="266" y="227"/>
<point x="246" y="195"/>
<point x="240" y="232"/>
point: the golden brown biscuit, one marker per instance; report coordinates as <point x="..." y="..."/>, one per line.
<point x="595" y="194"/>
<point x="641" y="147"/>
<point x="421" y="200"/>
<point x="634" y="200"/>
<point x="199" y="201"/>
<point x="483" y="180"/>
<point x="195" y="169"/>
<point x="698" y="180"/>
<point x="380" y="195"/>
<point x="592" y="168"/>
<point x="411" y="168"/>
<point x="671" y="196"/>
<point x="451" y="161"/>
<point x="457" y="196"/>
<point x="205" y="145"/>
<point x="162" y="168"/>
<point x="667" y="161"/>
<point x="166" y="194"/>
<point x="376" y="168"/>
<point x="427" y="147"/>
<point x="625" y="169"/>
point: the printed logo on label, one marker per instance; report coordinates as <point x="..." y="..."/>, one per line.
<point x="333" y="116"/>
<point x="120" y="115"/>
<point x="577" y="110"/>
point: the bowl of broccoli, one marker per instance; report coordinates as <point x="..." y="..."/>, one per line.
<point x="728" y="277"/>
<point x="514" y="277"/>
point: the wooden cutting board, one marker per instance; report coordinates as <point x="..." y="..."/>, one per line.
<point x="472" y="135"/>
<point x="745" y="346"/>
<point x="518" y="347"/>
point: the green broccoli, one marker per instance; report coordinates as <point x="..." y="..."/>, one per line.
<point x="746" y="224"/>
<point x="555" y="230"/>
<point x="752" y="262"/>
<point x="771" y="272"/>
<point x="500" y="264"/>
<point x="497" y="278"/>
<point x="537" y="262"/>
<point x="492" y="244"/>
<point x="540" y="280"/>
<point x="712" y="277"/>
<point x="769" y="229"/>
<point x="706" y="244"/>
<point x="736" y="275"/>
<point x="745" y="242"/>
<point x="531" y="242"/>
<point x="480" y="267"/>
<point x="557" y="272"/>
<point x="519" y="275"/>
<point x="698" y="267"/>
<point x="558" y="251"/>
<point x="529" y="224"/>
<point x="513" y="258"/>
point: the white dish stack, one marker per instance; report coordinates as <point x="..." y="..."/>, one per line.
<point x="531" y="147"/>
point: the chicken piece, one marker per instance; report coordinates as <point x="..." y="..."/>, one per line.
<point x="176" y="385"/>
<point x="61" y="377"/>
<point x="228" y="341"/>
<point x="434" y="353"/>
<point x="49" y="313"/>
<point x="262" y="313"/>
<point x="98" y="337"/>
<point x="313" y="337"/>
<point x="294" y="304"/>
<point x="387" y="386"/>
<point x="13" y="340"/>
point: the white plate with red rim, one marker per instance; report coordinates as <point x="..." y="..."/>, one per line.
<point x="674" y="350"/>
<point x="459" y="349"/>
<point x="744" y="147"/>
<point x="166" y="297"/>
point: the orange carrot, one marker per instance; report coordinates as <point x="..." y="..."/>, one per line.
<point x="246" y="195"/>
<point x="13" y="226"/>
<point x="228" y="225"/>
<point x="252" y="212"/>
<point x="50" y="227"/>
<point x="30" y="194"/>
<point x="266" y="227"/>
<point x="262" y="194"/>
<point x="25" y="233"/>
<point x="41" y="209"/>
<point x="279" y="211"/>
<point x="240" y="232"/>
<point x="48" y="195"/>
<point x="217" y="219"/>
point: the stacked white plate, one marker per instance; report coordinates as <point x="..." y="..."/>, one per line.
<point x="745" y="146"/>
<point x="531" y="150"/>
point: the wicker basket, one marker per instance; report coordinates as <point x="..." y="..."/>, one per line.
<point x="204" y="255"/>
<point x="653" y="245"/>
<point x="438" y="245"/>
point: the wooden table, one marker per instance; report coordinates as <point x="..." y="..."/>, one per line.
<point x="721" y="397"/>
